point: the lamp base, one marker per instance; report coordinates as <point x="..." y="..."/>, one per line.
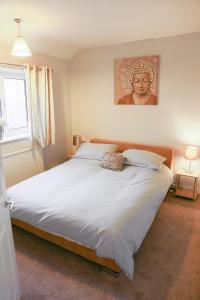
<point x="189" y="170"/>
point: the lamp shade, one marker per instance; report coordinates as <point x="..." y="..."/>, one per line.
<point x="20" y="48"/>
<point x="191" y="153"/>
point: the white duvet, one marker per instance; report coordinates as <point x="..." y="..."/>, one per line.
<point x="108" y="211"/>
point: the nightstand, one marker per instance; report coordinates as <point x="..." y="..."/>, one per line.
<point x="190" y="193"/>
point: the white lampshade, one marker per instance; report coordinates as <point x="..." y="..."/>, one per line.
<point x="191" y="153"/>
<point x="20" y="48"/>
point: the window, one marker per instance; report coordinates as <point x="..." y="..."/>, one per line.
<point x="13" y="102"/>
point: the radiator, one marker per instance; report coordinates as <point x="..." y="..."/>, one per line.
<point x="22" y="164"/>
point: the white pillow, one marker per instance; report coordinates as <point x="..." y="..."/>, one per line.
<point x="94" y="151"/>
<point x="143" y="158"/>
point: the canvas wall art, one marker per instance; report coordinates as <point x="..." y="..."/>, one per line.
<point x="136" y="80"/>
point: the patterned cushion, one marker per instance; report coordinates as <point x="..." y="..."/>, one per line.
<point x="113" y="161"/>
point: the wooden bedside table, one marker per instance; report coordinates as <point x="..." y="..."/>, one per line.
<point x="190" y="193"/>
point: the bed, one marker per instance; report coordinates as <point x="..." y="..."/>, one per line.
<point x="97" y="213"/>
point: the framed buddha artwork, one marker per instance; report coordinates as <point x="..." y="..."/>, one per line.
<point x="136" y="80"/>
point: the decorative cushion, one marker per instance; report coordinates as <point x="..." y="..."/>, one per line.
<point x="143" y="158"/>
<point x="113" y="161"/>
<point x="94" y="151"/>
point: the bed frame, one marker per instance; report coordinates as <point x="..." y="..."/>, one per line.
<point x="77" y="248"/>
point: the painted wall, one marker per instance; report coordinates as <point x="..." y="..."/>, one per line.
<point x="57" y="153"/>
<point x="175" y="121"/>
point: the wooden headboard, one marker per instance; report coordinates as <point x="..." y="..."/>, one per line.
<point x="164" y="151"/>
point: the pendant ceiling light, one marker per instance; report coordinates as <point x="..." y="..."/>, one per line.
<point x="20" y="48"/>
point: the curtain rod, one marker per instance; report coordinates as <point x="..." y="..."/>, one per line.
<point x="10" y="64"/>
<point x="15" y="65"/>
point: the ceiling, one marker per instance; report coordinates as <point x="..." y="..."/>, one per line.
<point x="61" y="28"/>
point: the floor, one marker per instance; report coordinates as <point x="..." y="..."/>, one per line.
<point x="167" y="266"/>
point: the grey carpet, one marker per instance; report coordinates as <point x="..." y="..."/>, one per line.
<point x="167" y="265"/>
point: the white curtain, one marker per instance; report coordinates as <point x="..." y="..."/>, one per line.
<point x="41" y="104"/>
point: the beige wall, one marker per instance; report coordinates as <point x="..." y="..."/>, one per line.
<point x="58" y="153"/>
<point x="176" y="119"/>
<point x="174" y="122"/>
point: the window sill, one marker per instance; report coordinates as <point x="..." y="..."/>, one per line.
<point x="14" y="139"/>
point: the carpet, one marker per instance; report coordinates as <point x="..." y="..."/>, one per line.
<point x="167" y="265"/>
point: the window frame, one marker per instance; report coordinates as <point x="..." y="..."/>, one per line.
<point x="16" y="73"/>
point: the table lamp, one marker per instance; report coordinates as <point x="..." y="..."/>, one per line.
<point x="77" y="141"/>
<point x="191" y="153"/>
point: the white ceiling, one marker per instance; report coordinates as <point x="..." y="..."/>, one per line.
<point x="62" y="28"/>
